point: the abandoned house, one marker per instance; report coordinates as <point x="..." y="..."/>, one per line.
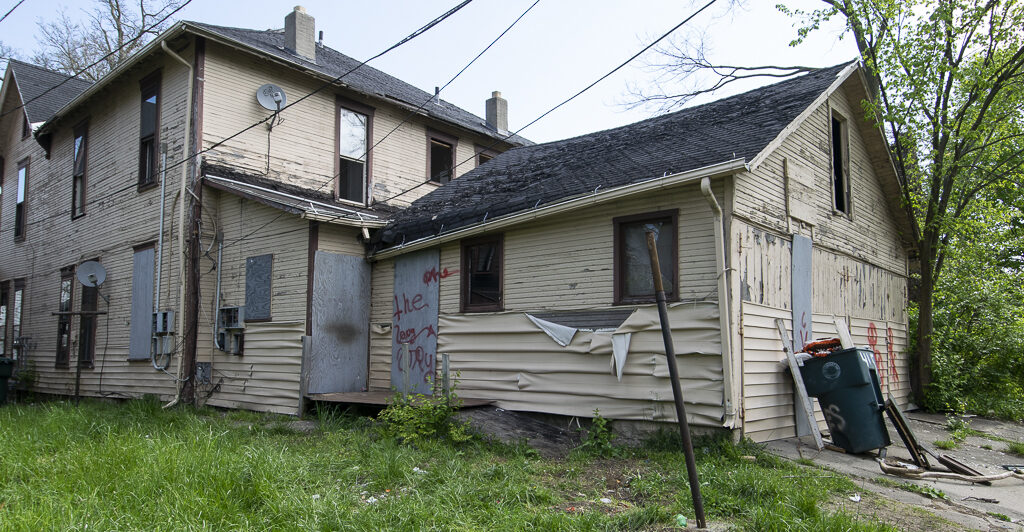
<point x="300" y="225"/>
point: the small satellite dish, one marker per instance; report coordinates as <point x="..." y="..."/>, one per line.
<point x="91" y="273"/>
<point x="271" y="97"/>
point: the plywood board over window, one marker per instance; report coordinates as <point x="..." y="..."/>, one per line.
<point x="139" y="343"/>
<point x="258" y="272"/>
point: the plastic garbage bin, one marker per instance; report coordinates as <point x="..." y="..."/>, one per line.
<point x="6" y="368"/>
<point x="846" y="385"/>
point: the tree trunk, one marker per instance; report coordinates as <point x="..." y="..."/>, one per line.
<point x="921" y="374"/>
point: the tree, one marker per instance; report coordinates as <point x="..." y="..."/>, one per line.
<point x="107" y="36"/>
<point x="948" y="80"/>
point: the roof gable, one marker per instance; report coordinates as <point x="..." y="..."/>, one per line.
<point x="43" y="92"/>
<point x="741" y="126"/>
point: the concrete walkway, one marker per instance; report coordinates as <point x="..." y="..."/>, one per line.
<point x="968" y="505"/>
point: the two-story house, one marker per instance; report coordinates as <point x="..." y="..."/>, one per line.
<point x="227" y="229"/>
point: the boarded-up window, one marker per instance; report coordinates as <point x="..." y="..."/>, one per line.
<point x="67" y="286"/>
<point x="142" y="304"/>
<point x="633" y="280"/>
<point x="258" y="270"/>
<point x="482" y="265"/>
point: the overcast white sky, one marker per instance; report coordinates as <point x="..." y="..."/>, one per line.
<point x="557" y="49"/>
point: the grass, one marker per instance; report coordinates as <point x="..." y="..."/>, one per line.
<point x="1015" y="447"/>
<point x="927" y="491"/>
<point x="135" y="466"/>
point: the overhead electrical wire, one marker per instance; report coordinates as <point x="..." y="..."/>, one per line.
<point x="11" y="10"/>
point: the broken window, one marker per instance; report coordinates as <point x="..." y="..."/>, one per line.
<point x="482" y="279"/>
<point x="840" y="165"/>
<point x="26" y="127"/>
<point x="67" y="277"/>
<point x="19" y="204"/>
<point x="78" y="172"/>
<point x="484" y="155"/>
<point x="440" y="156"/>
<point x="148" y="129"/>
<point x="353" y="154"/>
<point x="632" y="265"/>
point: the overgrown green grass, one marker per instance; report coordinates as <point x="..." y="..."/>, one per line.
<point x="135" y="466"/>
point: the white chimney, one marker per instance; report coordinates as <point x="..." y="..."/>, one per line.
<point x="299" y="33"/>
<point x="497" y="113"/>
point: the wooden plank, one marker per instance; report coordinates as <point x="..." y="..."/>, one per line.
<point x="805" y="414"/>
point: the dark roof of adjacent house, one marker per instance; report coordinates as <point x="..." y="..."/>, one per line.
<point x="523" y="178"/>
<point x="44" y="92"/>
<point x="366" y="79"/>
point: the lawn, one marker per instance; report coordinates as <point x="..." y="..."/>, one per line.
<point x="135" y="466"/>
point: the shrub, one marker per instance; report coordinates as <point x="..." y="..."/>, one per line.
<point x="414" y="418"/>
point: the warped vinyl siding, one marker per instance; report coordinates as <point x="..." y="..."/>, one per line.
<point x="507" y="358"/>
<point x="266" y="378"/>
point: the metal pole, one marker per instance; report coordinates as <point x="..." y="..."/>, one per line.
<point x="677" y="392"/>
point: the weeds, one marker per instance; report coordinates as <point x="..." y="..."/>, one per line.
<point x="1016" y="448"/>
<point x="947" y="445"/>
<point x="413" y="418"/>
<point x="597" y="440"/>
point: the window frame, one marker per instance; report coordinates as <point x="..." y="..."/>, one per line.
<point x="355" y="107"/>
<point x="5" y="294"/>
<point x="3" y="169"/>
<point x="79" y="181"/>
<point x="443" y="138"/>
<point x="62" y="354"/>
<point x="87" y="362"/>
<point x="464" y="286"/>
<point x="841" y="181"/>
<point x="26" y="126"/>
<point x="483" y="151"/>
<point x="16" y="312"/>
<point x="21" y="207"/>
<point x="618" y="266"/>
<point x="147" y="85"/>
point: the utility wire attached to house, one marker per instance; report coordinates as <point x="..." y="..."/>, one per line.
<point x="11" y="10"/>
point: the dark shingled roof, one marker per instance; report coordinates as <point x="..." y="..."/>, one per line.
<point x="34" y="81"/>
<point x="736" y="127"/>
<point x="366" y="79"/>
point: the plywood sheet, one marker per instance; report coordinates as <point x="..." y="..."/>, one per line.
<point x="339" y="354"/>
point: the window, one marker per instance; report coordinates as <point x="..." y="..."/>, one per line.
<point x="840" y="165"/>
<point x="1" y="191"/>
<point x="17" y="309"/>
<point x="149" y="129"/>
<point x="484" y="154"/>
<point x="482" y="280"/>
<point x="26" y="127"/>
<point x="78" y="171"/>
<point x="354" y="134"/>
<point x="440" y="156"/>
<point x="632" y="265"/>
<point x="258" y="271"/>
<point x="3" y="318"/>
<point x="19" y="204"/>
<point x="87" y="326"/>
<point x="67" y="286"/>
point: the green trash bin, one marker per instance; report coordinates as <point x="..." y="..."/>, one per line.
<point x="846" y="385"/>
<point x="6" y="368"/>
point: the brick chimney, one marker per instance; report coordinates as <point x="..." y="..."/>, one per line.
<point x="299" y="33"/>
<point x="497" y="113"/>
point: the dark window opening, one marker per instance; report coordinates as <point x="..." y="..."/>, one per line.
<point x="482" y="279"/>
<point x="3" y="318"/>
<point x="441" y="156"/>
<point x="840" y="170"/>
<point x="19" y="204"/>
<point x="483" y="158"/>
<point x="26" y="127"/>
<point x="17" y="311"/>
<point x="148" y="130"/>
<point x="87" y="327"/>
<point x="78" y="172"/>
<point x="353" y="150"/>
<point x="632" y="264"/>
<point x="67" y="284"/>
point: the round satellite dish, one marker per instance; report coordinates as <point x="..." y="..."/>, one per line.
<point x="91" y="273"/>
<point x="271" y="97"/>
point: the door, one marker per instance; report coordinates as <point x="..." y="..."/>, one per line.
<point x="339" y="351"/>
<point x="414" y="321"/>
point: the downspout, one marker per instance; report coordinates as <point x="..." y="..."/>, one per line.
<point x="160" y="232"/>
<point x="181" y="210"/>
<point x="723" y="306"/>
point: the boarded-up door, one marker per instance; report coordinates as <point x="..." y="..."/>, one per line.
<point x="339" y="354"/>
<point x="414" y="321"/>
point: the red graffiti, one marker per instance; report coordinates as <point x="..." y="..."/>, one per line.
<point x="434" y="275"/>
<point x="894" y="374"/>
<point x="408" y="305"/>
<point x="804" y="333"/>
<point x="880" y="365"/>
<point x="419" y="360"/>
<point x="410" y="335"/>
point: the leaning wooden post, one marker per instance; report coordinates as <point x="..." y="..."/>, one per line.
<point x="677" y="392"/>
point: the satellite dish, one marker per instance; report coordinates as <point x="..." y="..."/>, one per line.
<point x="91" y="273"/>
<point x="271" y="97"/>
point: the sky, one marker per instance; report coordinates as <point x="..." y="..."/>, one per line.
<point x="558" y="48"/>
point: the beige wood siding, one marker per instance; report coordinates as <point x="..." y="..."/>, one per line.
<point x="301" y="148"/>
<point x="340" y="239"/>
<point x="118" y="217"/>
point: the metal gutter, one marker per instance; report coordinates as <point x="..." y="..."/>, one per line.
<point x="729" y="398"/>
<point x="713" y="171"/>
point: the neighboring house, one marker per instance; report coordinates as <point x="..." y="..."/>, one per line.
<point x="222" y="243"/>
<point x="532" y="274"/>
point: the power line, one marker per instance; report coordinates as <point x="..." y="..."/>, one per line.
<point x="142" y="32"/>
<point x="11" y="10"/>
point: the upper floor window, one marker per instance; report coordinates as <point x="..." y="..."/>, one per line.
<point x="78" y="171"/>
<point x="482" y="274"/>
<point x="840" y="164"/>
<point x="149" y="128"/>
<point x="440" y="156"/>
<point x="632" y="264"/>
<point x="354" y="134"/>
<point x="19" y="205"/>
<point x="26" y="127"/>
<point x="484" y="154"/>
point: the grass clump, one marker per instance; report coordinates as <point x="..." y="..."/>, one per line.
<point x="947" y="445"/>
<point x="1016" y="448"/>
<point x="414" y="418"/>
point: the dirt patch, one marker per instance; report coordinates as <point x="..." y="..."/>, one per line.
<point x="874" y="507"/>
<point x="513" y="427"/>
